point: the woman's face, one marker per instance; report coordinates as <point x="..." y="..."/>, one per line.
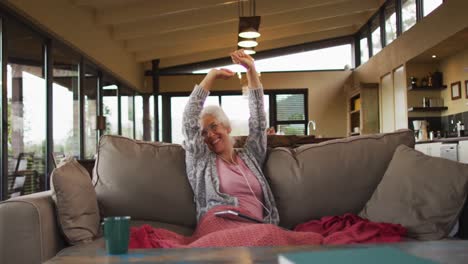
<point x="216" y="135"/>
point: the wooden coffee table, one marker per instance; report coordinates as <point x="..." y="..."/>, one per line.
<point x="446" y="251"/>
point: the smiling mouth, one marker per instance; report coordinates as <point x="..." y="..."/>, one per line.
<point x="215" y="141"/>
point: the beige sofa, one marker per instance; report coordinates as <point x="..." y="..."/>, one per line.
<point x="148" y="182"/>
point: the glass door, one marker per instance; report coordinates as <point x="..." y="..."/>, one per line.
<point x="26" y="107"/>
<point x="66" y="104"/>
<point x="110" y="108"/>
<point x="90" y="87"/>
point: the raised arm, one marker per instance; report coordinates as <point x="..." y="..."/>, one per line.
<point x="256" y="142"/>
<point x="193" y="141"/>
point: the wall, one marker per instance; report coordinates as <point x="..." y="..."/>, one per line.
<point x="387" y="104"/>
<point x="327" y="100"/>
<point x="79" y="31"/>
<point x="455" y="69"/>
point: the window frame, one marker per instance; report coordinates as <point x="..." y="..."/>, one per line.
<point x="365" y="30"/>
<point x="167" y="117"/>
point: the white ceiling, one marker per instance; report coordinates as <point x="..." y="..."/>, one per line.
<point x="185" y="31"/>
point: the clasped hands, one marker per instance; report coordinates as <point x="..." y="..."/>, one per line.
<point x="238" y="57"/>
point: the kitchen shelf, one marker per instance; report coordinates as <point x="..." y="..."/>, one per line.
<point x="427" y="88"/>
<point x="427" y="109"/>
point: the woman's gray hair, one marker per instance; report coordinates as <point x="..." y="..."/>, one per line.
<point x="218" y="113"/>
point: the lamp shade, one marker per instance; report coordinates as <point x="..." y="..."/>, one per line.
<point x="249" y="33"/>
<point x="249" y="51"/>
<point x="247" y="43"/>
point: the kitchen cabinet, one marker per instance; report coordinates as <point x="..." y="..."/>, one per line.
<point x="463" y="151"/>
<point x="363" y="109"/>
<point x="430" y="149"/>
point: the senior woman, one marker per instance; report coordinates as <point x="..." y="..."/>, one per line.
<point x="219" y="174"/>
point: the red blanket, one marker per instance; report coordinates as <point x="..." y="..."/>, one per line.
<point x="213" y="231"/>
<point x="351" y="229"/>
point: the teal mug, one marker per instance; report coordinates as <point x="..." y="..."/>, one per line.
<point x="117" y="234"/>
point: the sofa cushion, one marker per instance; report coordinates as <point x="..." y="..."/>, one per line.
<point x="144" y="180"/>
<point x="330" y="178"/>
<point x="76" y="202"/>
<point x="424" y="194"/>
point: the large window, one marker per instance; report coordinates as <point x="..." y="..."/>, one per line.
<point x="331" y="58"/>
<point x="430" y="5"/>
<point x="290" y="114"/>
<point x="110" y="108"/>
<point x="26" y="110"/>
<point x="177" y="109"/>
<point x="139" y="117"/>
<point x="51" y="112"/>
<point x="376" y="37"/>
<point x="236" y="108"/>
<point x="285" y="111"/>
<point x="390" y="23"/>
<point x="90" y="87"/>
<point x="408" y="14"/>
<point x="66" y="104"/>
<point x="127" y="112"/>
<point x="139" y="127"/>
<point x="160" y="118"/>
<point x="364" y="44"/>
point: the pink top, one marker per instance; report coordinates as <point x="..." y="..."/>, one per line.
<point x="233" y="183"/>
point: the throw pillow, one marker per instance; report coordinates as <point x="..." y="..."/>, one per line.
<point x="424" y="194"/>
<point x="76" y="202"/>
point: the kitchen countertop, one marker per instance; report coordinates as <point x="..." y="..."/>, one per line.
<point x="443" y="140"/>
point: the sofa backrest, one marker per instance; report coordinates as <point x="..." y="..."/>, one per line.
<point x="144" y="180"/>
<point x="330" y="178"/>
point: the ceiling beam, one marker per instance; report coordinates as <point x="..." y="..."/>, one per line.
<point x="219" y="18"/>
<point x="190" y="48"/>
<point x="278" y="31"/>
<point x="151" y="9"/>
<point x="206" y="17"/>
<point x="103" y="4"/>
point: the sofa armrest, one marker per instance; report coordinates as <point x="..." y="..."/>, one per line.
<point x="29" y="232"/>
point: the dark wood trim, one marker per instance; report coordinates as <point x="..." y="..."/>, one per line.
<point x="145" y="98"/>
<point x="383" y="36"/>
<point x="357" y="50"/>
<point x="81" y="82"/>
<point x="48" y="70"/>
<point x="189" y="68"/>
<point x="291" y="122"/>
<point x="399" y="19"/>
<point x="119" y="109"/>
<point x="369" y="39"/>
<point x="166" y="121"/>
<point x="133" y="117"/>
<point x="419" y="10"/>
<point x="155" y="73"/>
<point x="272" y="101"/>
<point x="4" y="102"/>
<point x="100" y="107"/>
<point x="466" y="89"/>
